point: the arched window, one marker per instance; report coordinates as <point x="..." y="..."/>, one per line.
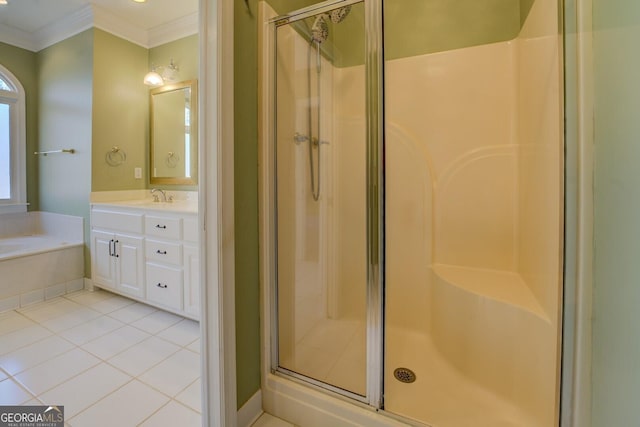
<point x="13" y="188"/>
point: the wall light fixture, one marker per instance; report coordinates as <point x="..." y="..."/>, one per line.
<point x="160" y="75"/>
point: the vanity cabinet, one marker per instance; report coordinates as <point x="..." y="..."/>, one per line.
<point x="148" y="255"/>
<point x="118" y="261"/>
<point x="168" y="278"/>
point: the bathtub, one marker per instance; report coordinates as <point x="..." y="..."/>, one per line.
<point x="41" y="257"/>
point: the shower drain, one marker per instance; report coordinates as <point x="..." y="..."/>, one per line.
<point x="404" y="375"/>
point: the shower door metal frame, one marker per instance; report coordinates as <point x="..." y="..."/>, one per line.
<point x="374" y="91"/>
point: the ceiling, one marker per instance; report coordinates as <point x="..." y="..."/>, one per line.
<point x="24" y="19"/>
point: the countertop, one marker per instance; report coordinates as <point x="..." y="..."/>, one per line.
<point x="177" y="206"/>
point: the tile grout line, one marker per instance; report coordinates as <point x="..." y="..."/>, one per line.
<point x="58" y="334"/>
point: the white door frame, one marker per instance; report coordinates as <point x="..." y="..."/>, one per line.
<point x="216" y="214"/>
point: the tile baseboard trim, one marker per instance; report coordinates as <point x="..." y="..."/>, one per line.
<point x="250" y="411"/>
<point x="88" y="284"/>
<point x="39" y="295"/>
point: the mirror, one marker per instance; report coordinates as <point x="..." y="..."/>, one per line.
<point x="174" y="134"/>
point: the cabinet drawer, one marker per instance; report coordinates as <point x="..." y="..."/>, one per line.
<point x="167" y="227"/>
<point x="164" y="285"/>
<point x="157" y="250"/>
<point x="190" y="229"/>
<point x="120" y="221"/>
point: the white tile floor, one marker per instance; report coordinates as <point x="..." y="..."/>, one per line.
<point x="107" y="359"/>
<point x="267" y="420"/>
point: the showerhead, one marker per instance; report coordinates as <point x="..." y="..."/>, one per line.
<point x="320" y="29"/>
<point x="338" y="15"/>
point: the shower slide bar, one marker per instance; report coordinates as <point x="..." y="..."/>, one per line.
<point x="64" y="150"/>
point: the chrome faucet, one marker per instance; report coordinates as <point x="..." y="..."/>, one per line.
<point x="155" y="196"/>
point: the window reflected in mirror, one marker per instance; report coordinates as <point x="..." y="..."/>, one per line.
<point x="173" y="134"/>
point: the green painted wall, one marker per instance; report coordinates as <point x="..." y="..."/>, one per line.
<point x="616" y="314"/>
<point x="120" y="112"/>
<point x="23" y="64"/>
<point x="65" y="80"/>
<point x="246" y="201"/>
<point x="418" y="27"/>
<point x="525" y="7"/>
<point x="185" y="54"/>
<point x="119" y="67"/>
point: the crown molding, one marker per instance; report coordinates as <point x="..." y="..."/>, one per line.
<point x="64" y="28"/>
<point x="174" y="30"/>
<point x="15" y="37"/>
<point x="92" y="15"/>
<point x="110" y="23"/>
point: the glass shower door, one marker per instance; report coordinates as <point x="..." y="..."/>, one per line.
<point x="321" y="204"/>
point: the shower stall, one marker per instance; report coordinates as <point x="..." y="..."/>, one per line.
<point x="412" y="209"/>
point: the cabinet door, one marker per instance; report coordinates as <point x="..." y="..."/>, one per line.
<point x="191" y="281"/>
<point x="130" y="265"/>
<point x="103" y="264"/>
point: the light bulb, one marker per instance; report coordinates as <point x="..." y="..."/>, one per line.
<point x="153" y="79"/>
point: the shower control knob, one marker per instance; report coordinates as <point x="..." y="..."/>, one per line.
<point x="298" y="138"/>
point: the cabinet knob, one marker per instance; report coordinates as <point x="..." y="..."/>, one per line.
<point x="161" y="252"/>
<point x="161" y="226"/>
<point x="160" y="285"/>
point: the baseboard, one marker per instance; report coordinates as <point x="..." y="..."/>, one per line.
<point x="250" y="411"/>
<point x="88" y="284"/>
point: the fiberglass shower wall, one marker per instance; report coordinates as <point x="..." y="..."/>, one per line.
<point x="473" y="211"/>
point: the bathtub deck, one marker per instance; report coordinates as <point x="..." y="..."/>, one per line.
<point x="15" y="247"/>
<point x="38" y="268"/>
